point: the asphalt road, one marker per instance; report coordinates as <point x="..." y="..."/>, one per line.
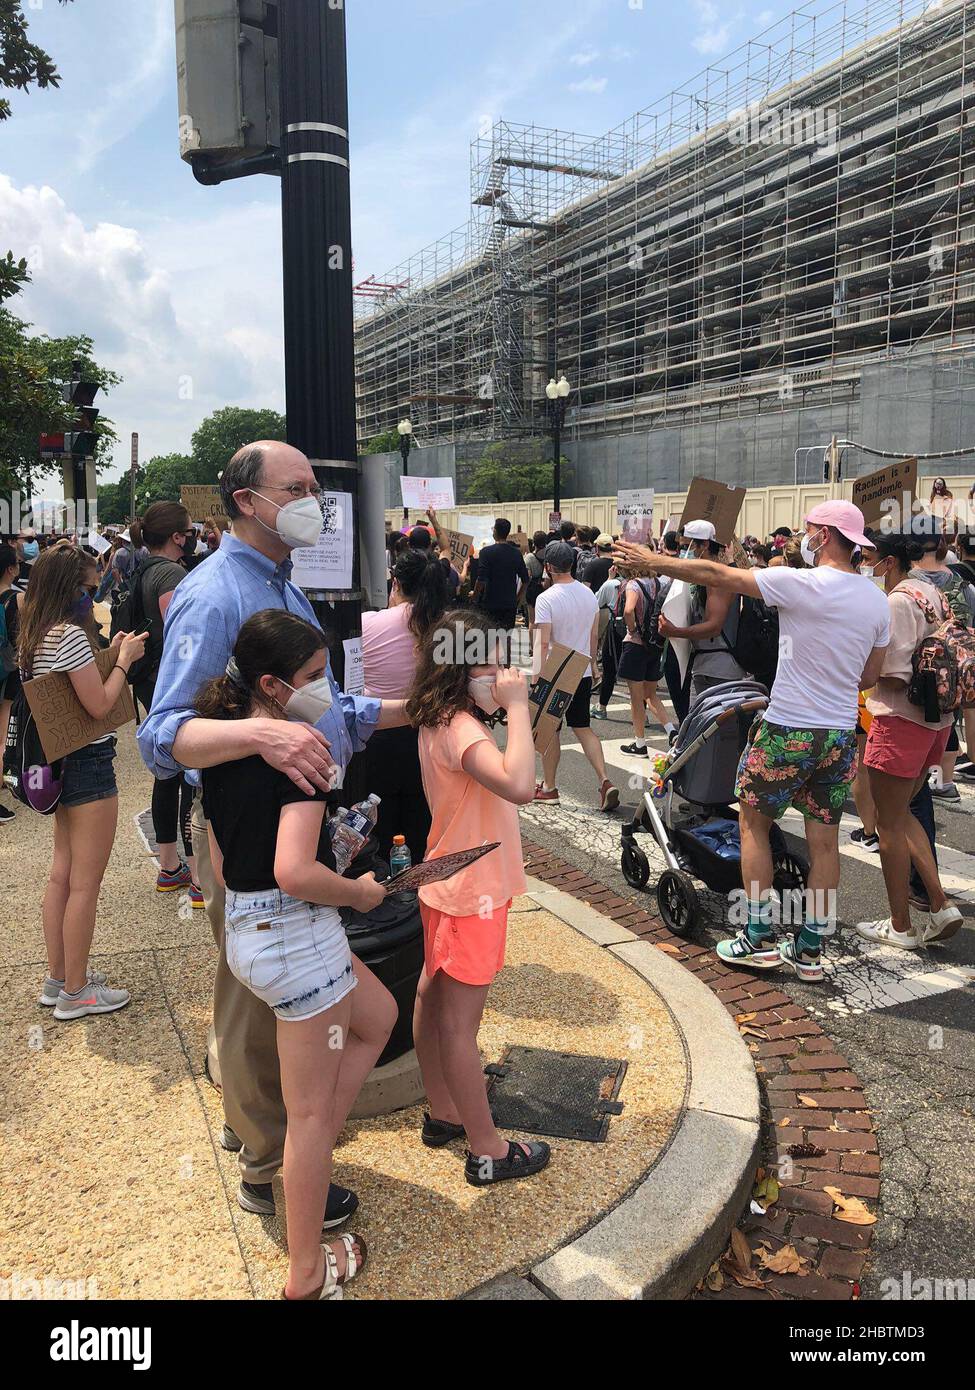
<point x="905" y="1020"/>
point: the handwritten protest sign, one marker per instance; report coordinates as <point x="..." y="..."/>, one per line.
<point x="718" y="503"/>
<point x="885" y="492"/>
<point x="63" y="723"/>
<point x="204" y="504"/>
<point x="427" y="492"/>
<point x="460" y="548"/>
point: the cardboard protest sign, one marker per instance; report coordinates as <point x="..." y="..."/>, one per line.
<point x="522" y="540"/>
<point x="63" y="723"/>
<point x="204" y="504"/>
<point x="460" y="548"/>
<point x="718" y="503"/>
<point x="552" y="691"/>
<point x="884" y="492"/>
<point x="634" y="514"/>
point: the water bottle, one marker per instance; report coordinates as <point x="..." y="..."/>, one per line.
<point x="351" y="829"/>
<point x="400" y="858"/>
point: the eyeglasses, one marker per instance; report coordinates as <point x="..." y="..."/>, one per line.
<point x="296" y="491"/>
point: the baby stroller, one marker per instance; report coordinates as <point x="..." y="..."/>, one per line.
<point x="691" y="811"/>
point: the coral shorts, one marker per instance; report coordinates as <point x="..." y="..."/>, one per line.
<point x="902" y="748"/>
<point x="468" y="949"/>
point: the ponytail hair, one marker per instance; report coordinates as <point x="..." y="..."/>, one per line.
<point x="270" y="643"/>
<point x="161" y="520"/>
<point x="422" y="580"/>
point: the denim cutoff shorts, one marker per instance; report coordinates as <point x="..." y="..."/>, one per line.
<point x="293" y="955"/>
<point x="89" y="775"/>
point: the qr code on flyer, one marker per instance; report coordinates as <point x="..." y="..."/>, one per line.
<point x="331" y="515"/>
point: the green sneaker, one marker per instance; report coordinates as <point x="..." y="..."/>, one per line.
<point x="806" y="965"/>
<point x="739" y="950"/>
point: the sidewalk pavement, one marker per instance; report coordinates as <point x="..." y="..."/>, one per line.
<point x="112" y="1134"/>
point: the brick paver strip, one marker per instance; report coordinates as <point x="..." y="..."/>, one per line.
<point x="796" y="1058"/>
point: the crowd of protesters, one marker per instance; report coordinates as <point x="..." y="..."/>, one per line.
<point x="248" y="738"/>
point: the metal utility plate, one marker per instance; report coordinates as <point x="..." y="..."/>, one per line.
<point x="560" y="1094"/>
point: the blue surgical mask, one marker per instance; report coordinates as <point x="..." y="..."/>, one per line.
<point x="31" y="550"/>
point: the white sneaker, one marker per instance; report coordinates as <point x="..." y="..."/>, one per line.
<point x="883" y="933"/>
<point x="52" y="988"/>
<point x="941" y="926"/>
<point x="94" y="999"/>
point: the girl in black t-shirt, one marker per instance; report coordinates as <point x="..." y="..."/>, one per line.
<point x="284" y="938"/>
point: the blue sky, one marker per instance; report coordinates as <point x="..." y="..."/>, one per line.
<point x="179" y="284"/>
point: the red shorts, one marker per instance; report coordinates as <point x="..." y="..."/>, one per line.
<point x="902" y="748"/>
<point x="468" y="949"/>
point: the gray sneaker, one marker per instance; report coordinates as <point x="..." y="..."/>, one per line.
<point x="51" y="988"/>
<point x="94" y="999"/>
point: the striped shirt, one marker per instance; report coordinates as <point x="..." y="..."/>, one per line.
<point x="64" y="647"/>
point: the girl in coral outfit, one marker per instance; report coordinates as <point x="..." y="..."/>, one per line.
<point x="473" y="790"/>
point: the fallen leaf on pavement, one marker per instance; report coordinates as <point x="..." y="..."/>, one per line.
<point x="808" y="1100"/>
<point x="805" y="1151"/>
<point x="786" y="1121"/>
<point x="850" y="1209"/>
<point x="786" y="1260"/>
<point x="745" y="1018"/>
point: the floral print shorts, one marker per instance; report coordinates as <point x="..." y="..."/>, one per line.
<point x="810" y="769"/>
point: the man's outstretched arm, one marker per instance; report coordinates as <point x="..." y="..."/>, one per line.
<point x="707" y="573"/>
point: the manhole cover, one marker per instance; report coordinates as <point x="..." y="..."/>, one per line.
<point x="555" y="1093"/>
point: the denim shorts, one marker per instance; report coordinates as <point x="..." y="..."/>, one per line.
<point x="293" y="955"/>
<point x="89" y="775"/>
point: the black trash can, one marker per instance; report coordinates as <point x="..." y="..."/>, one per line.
<point x="390" y="941"/>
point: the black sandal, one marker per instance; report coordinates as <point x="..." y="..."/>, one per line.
<point x="482" y="1171"/>
<point x="436" y="1133"/>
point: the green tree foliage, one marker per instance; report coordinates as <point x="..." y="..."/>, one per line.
<point x="385" y="443"/>
<point x="515" y="471"/>
<point x="224" y="432"/>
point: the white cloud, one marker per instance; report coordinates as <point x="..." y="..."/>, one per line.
<point x="593" y="85"/>
<point x="582" y="60"/>
<point x="188" y="313"/>
<point x="715" y="27"/>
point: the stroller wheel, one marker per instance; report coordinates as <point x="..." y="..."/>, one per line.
<point x="635" y="865"/>
<point x="678" y="901"/>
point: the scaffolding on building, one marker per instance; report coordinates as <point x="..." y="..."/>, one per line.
<point x="746" y="243"/>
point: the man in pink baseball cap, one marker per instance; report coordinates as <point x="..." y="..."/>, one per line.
<point x="833" y="632"/>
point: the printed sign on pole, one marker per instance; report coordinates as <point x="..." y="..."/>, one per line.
<point x="420" y="493"/>
<point x="718" y="503"/>
<point x="887" y="492"/>
<point x="355" y="674"/>
<point x="328" y="565"/>
<point x="634" y="514"/>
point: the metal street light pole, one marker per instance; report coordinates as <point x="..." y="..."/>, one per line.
<point x="316" y="223"/>
<point x="557" y="393"/>
<point x="405" y="429"/>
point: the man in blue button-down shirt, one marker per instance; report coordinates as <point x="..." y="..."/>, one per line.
<point x="248" y="573"/>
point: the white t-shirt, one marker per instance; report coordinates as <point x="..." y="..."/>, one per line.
<point x="571" y="609"/>
<point x="829" y="622"/>
<point x="64" y="647"/>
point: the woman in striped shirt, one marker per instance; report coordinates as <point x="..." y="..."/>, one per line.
<point x="57" y="633"/>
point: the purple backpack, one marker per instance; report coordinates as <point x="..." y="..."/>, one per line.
<point x="31" y="778"/>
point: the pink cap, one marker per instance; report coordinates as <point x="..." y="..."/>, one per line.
<point x="844" y="517"/>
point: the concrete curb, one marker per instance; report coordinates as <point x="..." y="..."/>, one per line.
<point x="662" y="1238"/>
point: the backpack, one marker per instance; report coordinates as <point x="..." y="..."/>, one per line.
<point x="129" y="615"/>
<point x="958" y="602"/>
<point x="648" y="624"/>
<point x="943" y="664"/>
<point x="33" y="781"/>
<point x="756" y="647"/>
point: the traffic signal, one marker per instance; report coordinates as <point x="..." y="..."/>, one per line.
<point x="227" y="78"/>
<point x="81" y="441"/>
